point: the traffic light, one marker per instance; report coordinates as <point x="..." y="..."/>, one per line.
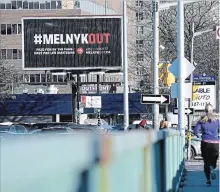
<point x="168" y="77"/>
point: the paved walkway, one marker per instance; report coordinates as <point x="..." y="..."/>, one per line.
<point x="196" y="181"/>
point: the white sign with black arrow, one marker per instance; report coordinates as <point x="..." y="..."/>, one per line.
<point x="155" y="99"/>
<point x="188" y="111"/>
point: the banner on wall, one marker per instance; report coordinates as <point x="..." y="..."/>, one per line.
<point x="203" y="93"/>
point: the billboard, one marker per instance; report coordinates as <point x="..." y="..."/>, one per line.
<point x="66" y="43"/>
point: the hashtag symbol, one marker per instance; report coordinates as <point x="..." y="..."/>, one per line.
<point x="37" y="38"/>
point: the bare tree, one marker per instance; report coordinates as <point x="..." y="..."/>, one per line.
<point x="8" y="78"/>
<point x="205" y="45"/>
<point x="206" y="50"/>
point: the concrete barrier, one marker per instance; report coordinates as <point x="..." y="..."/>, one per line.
<point x="133" y="162"/>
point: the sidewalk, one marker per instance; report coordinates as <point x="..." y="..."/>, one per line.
<point x="196" y="181"/>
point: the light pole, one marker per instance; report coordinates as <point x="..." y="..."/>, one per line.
<point x="125" y="67"/>
<point x="155" y="13"/>
<point x="156" y="45"/>
<point x="181" y="57"/>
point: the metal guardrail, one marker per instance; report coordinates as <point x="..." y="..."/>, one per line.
<point x="144" y="161"/>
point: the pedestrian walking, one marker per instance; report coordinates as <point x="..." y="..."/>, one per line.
<point x="163" y="124"/>
<point x="209" y="125"/>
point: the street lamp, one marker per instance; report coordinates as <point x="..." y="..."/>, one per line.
<point x="155" y="13"/>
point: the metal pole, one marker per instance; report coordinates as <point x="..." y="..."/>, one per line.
<point x="155" y="61"/>
<point x="106" y="5"/>
<point x="125" y="67"/>
<point x="74" y="90"/>
<point x="98" y="84"/>
<point x="78" y="98"/>
<point x="189" y="118"/>
<point x="180" y="55"/>
<point x="98" y="92"/>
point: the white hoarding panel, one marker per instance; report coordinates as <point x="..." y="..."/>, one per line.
<point x="202" y="95"/>
<point x="96" y="102"/>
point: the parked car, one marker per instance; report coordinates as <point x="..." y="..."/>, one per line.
<point x="195" y="147"/>
<point x="54" y="129"/>
<point x="49" y="124"/>
<point x="12" y="128"/>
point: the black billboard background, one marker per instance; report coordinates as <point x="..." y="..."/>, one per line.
<point x="72" y="26"/>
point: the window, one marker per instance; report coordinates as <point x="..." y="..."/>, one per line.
<point x="25" y="4"/>
<point x="139" y="3"/>
<point x="3" y="29"/>
<point x="53" y="4"/>
<point x="8" y="29"/>
<point x="140" y="57"/>
<point x="59" y="5"/>
<point x="140" y="29"/>
<point x="9" y="53"/>
<point x="2" y="6"/>
<point x="47" y="5"/>
<point x="139" y="43"/>
<point x="19" y="28"/>
<point x="19" y="54"/>
<point x="3" y="54"/>
<point x="14" y="29"/>
<point x="8" y="5"/>
<point x="139" y="16"/>
<point x="31" y="5"/>
<point x="15" y="54"/>
<point x="19" y="4"/>
<point x="36" y="5"/>
<point x="42" y="6"/>
<point x="13" y="5"/>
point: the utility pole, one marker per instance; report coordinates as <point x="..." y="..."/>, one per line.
<point x="180" y="56"/>
<point x="125" y="67"/>
<point x="189" y="117"/>
<point x="155" y="13"/>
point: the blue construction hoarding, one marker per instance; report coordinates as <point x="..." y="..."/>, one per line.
<point x="51" y="104"/>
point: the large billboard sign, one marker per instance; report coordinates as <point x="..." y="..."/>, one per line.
<point x="79" y="43"/>
<point x="204" y="92"/>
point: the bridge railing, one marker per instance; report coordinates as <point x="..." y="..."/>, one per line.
<point x="148" y="161"/>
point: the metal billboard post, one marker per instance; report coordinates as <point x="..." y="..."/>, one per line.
<point x="155" y="75"/>
<point x="125" y="66"/>
<point x="180" y="56"/>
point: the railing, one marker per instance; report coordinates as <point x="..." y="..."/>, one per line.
<point x="145" y="161"/>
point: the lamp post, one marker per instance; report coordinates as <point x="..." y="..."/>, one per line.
<point x="125" y="67"/>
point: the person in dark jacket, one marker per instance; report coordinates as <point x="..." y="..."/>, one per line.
<point x="209" y="124"/>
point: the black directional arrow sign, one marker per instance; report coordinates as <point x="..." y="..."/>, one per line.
<point x="188" y="111"/>
<point x="155" y="99"/>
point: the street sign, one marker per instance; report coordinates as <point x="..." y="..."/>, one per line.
<point x="188" y="111"/>
<point x="203" y="78"/>
<point x="188" y="68"/>
<point x="187" y="94"/>
<point x="217" y="32"/>
<point x="155" y="99"/>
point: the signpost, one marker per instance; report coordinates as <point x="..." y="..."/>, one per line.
<point x="188" y="111"/>
<point x="155" y="99"/>
<point x="93" y="102"/>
